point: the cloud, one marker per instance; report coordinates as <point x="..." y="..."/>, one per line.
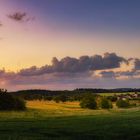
<point x="67" y="73"/>
<point x="107" y="74"/>
<point x="129" y="73"/>
<point x="20" y="17"/>
<point x="137" y="64"/>
<point x="67" y="81"/>
<point x="120" y="74"/>
<point x="74" y="65"/>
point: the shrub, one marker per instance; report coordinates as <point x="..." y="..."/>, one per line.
<point x="56" y="99"/>
<point x="19" y="104"/>
<point x="89" y="102"/>
<point x="112" y="98"/>
<point x="60" y="98"/>
<point x="10" y="102"/>
<point x="49" y="98"/>
<point x="105" y="103"/>
<point x="63" y="98"/>
<point x="122" y="103"/>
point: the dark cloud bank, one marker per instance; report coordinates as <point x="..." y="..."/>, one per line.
<point x="68" y="73"/>
<point x="74" y="65"/>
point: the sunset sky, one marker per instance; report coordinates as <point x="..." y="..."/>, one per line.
<point x="67" y="44"/>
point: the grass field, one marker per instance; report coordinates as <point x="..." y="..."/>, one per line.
<point x="67" y="121"/>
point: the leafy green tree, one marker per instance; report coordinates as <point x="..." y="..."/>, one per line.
<point x="49" y="98"/>
<point x="56" y="99"/>
<point x="60" y="98"/>
<point x="10" y="102"/>
<point x="105" y="103"/>
<point x="122" y="103"/>
<point x="63" y="98"/>
<point x="112" y="98"/>
<point x="88" y="101"/>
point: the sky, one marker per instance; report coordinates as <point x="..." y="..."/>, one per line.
<point x="67" y="44"/>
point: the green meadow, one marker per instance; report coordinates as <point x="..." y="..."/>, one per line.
<point x="44" y="120"/>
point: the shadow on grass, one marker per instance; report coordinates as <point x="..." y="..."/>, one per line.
<point x="99" y="127"/>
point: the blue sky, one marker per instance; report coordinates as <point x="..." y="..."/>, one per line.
<point x="112" y="15"/>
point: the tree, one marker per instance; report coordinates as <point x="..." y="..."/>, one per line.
<point x="105" y="103"/>
<point x="60" y="98"/>
<point x="10" y="102"/>
<point x="112" y="98"/>
<point x="88" y="101"/>
<point x="122" y="103"/>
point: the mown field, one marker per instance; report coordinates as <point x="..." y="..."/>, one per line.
<point x="67" y="121"/>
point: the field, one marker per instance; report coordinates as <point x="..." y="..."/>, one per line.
<point x="67" y="121"/>
<point x="110" y="94"/>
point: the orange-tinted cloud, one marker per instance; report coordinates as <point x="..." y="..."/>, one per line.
<point x="74" y="65"/>
<point x="69" y="73"/>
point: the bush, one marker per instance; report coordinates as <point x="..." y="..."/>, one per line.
<point x="112" y="98"/>
<point x="19" y="104"/>
<point x="122" y="103"/>
<point x="89" y="102"/>
<point x="10" y="102"/>
<point x="48" y="98"/>
<point x="56" y="99"/>
<point x="105" y="103"/>
<point x="60" y="98"/>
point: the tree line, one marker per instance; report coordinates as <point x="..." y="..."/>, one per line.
<point x="87" y="98"/>
<point x="71" y="94"/>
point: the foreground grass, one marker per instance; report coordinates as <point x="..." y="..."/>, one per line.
<point x="67" y="121"/>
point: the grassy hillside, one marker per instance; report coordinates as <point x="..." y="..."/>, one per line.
<point x="49" y="120"/>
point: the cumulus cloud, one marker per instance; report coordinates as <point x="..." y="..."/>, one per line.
<point x="20" y="17"/>
<point x="120" y="74"/>
<point x="108" y="74"/>
<point x="74" y="65"/>
<point x="67" y="73"/>
<point x="137" y="64"/>
<point x="129" y="73"/>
